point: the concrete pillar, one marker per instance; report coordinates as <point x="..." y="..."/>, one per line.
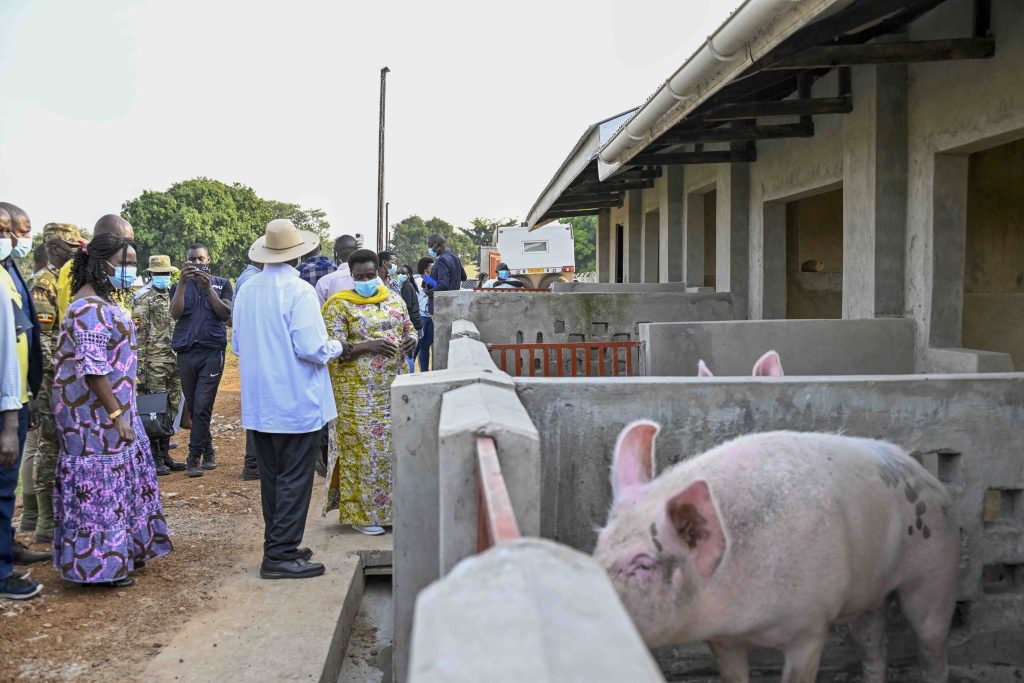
<point x="605" y="243"/>
<point x="772" y="302"/>
<point x="732" y="268"/>
<point x="466" y="413"/>
<point x="652" y="247"/>
<point x="527" y="610"/>
<point x="416" y="400"/>
<point x="633" y="242"/>
<point x="670" y="212"/>
<point x="875" y="193"/>
<point x="693" y="240"/>
<point x="949" y="238"/>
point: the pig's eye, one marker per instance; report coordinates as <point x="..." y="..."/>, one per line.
<point x="641" y="564"/>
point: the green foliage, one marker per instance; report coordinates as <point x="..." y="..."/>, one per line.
<point x="584" y="236"/>
<point x="226" y="218"/>
<point x="409" y="239"/>
<point x="482" y="232"/>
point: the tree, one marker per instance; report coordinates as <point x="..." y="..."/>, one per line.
<point x="482" y="232"/>
<point x="226" y="218"/>
<point x="409" y="239"/>
<point x="584" y="237"/>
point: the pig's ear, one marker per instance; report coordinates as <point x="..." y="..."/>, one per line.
<point x="633" y="463"/>
<point x="768" y="365"/>
<point x="702" y="370"/>
<point x="692" y="514"/>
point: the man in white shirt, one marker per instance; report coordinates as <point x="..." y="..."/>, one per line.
<point x="283" y="350"/>
<point x="341" y="279"/>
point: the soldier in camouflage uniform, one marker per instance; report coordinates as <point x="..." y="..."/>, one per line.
<point x="62" y="242"/>
<point x="158" y="371"/>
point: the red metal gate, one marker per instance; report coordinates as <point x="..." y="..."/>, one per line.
<point x="577" y="359"/>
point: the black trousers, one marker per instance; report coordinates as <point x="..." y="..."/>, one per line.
<point x="200" y="371"/>
<point x="286" y="485"/>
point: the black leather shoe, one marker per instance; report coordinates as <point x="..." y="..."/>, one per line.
<point x="23" y="555"/>
<point x="305" y="554"/>
<point x="250" y="474"/>
<point x="173" y="465"/>
<point x="158" y="463"/>
<point x="209" y="459"/>
<point x="290" y="569"/>
<point x="192" y="467"/>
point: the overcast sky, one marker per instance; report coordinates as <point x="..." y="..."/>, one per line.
<point x="102" y="100"/>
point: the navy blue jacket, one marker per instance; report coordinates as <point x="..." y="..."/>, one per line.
<point x="35" y="343"/>
<point x="449" y="273"/>
<point x="198" y="324"/>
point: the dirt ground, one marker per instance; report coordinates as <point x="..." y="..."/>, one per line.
<point x="91" y="634"/>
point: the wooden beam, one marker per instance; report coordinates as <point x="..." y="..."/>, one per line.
<point x="630" y="175"/>
<point x="811" y="107"/>
<point x="584" y="196"/>
<point x="682" y="158"/>
<point x="889" y="53"/>
<point x="568" y="203"/>
<point x="572" y="213"/>
<point x="744" y="134"/>
<point x="611" y="186"/>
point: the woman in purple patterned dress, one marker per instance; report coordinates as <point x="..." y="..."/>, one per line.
<point x="106" y="503"/>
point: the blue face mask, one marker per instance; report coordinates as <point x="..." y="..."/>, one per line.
<point x="503" y="274"/>
<point x="23" y="248"/>
<point x="123" y="277"/>
<point x="5" y="248"/>
<point x="403" y="278"/>
<point x="367" y="288"/>
<point x="161" y="281"/>
<point x="432" y="252"/>
<point x="392" y="271"/>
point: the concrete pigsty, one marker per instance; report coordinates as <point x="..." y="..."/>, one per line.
<point x="767" y="540"/>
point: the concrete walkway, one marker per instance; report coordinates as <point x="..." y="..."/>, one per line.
<point x="286" y="630"/>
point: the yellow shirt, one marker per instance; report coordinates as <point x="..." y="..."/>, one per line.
<point x="7" y="282"/>
<point x="63" y="290"/>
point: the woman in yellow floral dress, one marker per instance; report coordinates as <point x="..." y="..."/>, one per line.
<point x="374" y="320"/>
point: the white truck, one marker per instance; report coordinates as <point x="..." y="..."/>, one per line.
<point x="537" y="258"/>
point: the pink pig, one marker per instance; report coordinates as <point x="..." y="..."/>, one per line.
<point x="768" y="365"/>
<point x="767" y="540"/>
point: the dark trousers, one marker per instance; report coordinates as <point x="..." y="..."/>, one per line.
<point x="9" y="482"/>
<point x="200" y="371"/>
<point x="426" y="341"/>
<point x="286" y="464"/>
<point x="250" y="451"/>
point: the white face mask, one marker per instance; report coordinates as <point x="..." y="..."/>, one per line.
<point x="5" y="248"/>
<point x="24" y="247"/>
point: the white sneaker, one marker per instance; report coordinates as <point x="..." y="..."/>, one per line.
<point x="369" y="530"/>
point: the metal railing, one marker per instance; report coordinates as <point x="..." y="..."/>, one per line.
<point x="496" y="520"/>
<point x="576" y="359"/>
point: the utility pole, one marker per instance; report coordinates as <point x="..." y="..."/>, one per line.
<point x="381" y="235"/>
<point x="387" y="225"/>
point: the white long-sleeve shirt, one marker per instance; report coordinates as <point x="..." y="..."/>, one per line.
<point x="10" y="368"/>
<point x="283" y="350"/>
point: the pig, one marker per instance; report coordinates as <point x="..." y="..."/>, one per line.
<point x="767" y="540"/>
<point x="768" y="365"/>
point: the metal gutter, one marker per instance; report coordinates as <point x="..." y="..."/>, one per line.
<point x="750" y="32"/>
<point x="578" y="159"/>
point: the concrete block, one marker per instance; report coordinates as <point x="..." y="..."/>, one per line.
<point x="465" y="352"/>
<point x="529" y="610"/>
<point x="464" y="328"/>
<point x="466" y="413"/>
<point x="966" y="361"/>
<point x="416" y="411"/>
<point x="808" y="347"/>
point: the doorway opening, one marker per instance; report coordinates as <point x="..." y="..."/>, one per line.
<point x="814" y="256"/>
<point x="652" y="245"/>
<point x="993" y="309"/>
<point x="710" y="236"/>
<point x="620" y="239"/>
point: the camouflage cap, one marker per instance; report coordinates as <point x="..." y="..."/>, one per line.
<point x="68" y="232"/>
<point x="161" y="263"/>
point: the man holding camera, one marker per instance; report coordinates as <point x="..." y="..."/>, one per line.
<point x="201" y="305"/>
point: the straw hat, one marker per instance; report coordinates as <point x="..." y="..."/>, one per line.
<point x="160" y="264"/>
<point x="283" y="242"/>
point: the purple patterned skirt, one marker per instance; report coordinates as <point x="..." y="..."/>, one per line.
<point x="107" y="514"/>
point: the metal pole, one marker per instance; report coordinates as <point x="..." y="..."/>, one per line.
<point x="380" y="163"/>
